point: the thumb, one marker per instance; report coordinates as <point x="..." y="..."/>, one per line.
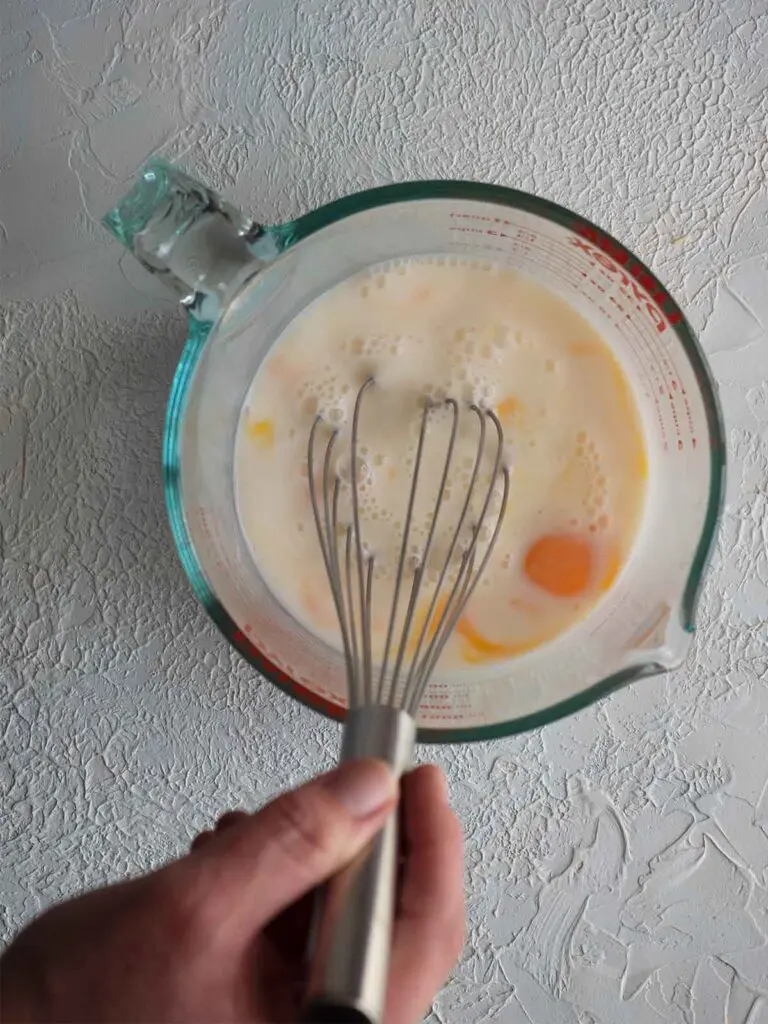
<point x="274" y="857"/>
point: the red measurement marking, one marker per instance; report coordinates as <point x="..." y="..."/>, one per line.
<point x="558" y="258"/>
<point x="624" y="259"/>
<point x="328" y="704"/>
<point x="688" y="414"/>
<point x="484" y="231"/>
<point x="485" y="220"/>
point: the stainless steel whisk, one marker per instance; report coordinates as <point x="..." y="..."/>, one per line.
<point x="352" y="943"/>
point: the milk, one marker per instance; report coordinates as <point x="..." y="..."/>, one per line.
<point x="424" y="330"/>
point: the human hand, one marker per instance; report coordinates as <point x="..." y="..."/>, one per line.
<point x="221" y="934"/>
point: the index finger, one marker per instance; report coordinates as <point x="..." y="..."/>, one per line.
<point x="429" y="926"/>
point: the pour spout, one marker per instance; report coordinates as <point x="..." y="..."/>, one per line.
<point x="182" y="231"/>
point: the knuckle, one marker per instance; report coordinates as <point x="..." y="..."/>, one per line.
<point x="453" y="911"/>
<point x="454" y="832"/>
<point x="444" y="938"/>
<point x="305" y="826"/>
<point x="178" y="905"/>
<point x="448" y="938"/>
<point x="452" y="844"/>
<point x="452" y="924"/>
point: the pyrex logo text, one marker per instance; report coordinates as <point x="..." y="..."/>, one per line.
<point x="607" y="253"/>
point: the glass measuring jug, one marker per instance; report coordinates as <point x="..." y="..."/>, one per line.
<point x="243" y="283"/>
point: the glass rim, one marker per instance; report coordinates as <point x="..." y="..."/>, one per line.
<point x="289" y="234"/>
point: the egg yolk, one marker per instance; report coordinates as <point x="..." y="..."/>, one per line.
<point x="477" y="648"/>
<point x="508" y="408"/>
<point x="263" y="433"/>
<point x="611" y="570"/>
<point x="560" y="563"/>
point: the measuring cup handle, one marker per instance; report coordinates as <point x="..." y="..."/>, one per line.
<point x="179" y="229"/>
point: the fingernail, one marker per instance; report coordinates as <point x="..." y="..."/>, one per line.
<point x="362" y="787"/>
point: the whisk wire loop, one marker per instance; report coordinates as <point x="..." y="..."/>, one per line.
<point x="350" y="564"/>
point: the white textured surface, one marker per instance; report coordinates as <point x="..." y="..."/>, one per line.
<point x="618" y="860"/>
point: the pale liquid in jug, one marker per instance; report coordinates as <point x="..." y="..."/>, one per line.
<point x="425" y="329"/>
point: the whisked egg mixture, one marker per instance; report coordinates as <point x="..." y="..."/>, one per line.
<point x="426" y="329"/>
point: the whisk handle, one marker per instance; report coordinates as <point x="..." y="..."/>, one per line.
<point x="350" y="965"/>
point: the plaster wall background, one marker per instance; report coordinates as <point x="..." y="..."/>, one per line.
<point x="619" y="859"/>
